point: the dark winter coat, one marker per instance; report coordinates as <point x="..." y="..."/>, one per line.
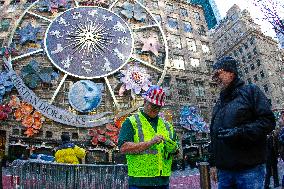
<point x="242" y="106"/>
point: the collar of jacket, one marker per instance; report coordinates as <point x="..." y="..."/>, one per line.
<point x="229" y="92"/>
<point x="66" y="145"/>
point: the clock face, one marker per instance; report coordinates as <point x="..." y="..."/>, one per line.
<point x="88" y="42"/>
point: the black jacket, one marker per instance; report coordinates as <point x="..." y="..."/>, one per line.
<point x="241" y="106"/>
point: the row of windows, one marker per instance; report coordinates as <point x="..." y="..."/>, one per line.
<point x="170" y="8"/>
<point x="48" y="134"/>
<point x="175" y="41"/>
<point x="172" y="23"/>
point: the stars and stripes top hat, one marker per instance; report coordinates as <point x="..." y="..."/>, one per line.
<point x="156" y="95"/>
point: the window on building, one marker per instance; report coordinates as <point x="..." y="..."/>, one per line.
<point x="255" y="51"/>
<point x="209" y="65"/>
<point x="265" y="87"/>
<point x="205" y="47"/>
<point x="15" y="132"/>
<point x="194" y="62"/>
<point x="154" y="4"/>
<point x="258" y="62"/>
<point x="182" y="87"/>
<point x="183" y="12"/>
<point x="75" y="136"/>
<point x="166" y="82"/>
<point x="249" y="80"/>
<point x="235" y="53"/>
<point x="246" y="70"/>
<point x="246" y="45"/>
<point x="201" y="31"/>
<point x="196" y="16"/>
<point x="249" y="56"/>
<point x="48" y="134"/>
<point x="173" y="23"/>
<point x="169" y="8"/>
<point x="39" y="134"/>
<point x="255" y="78"/>
<point x="241" y="50"/>
<point x="5" y="24"/>
<point x="252" y="66"/>
<point x="1" y="42"/>
<point x="191" y="45"/>
<point x="199" y="89"/>
<point x="262" y="74"/>
<point x="178" y="62"/>
<point x="244" y="59"/>
<point x="158" y="18"/>
<point x="175" y="41"/>
<point x="251" y="40"/>
<point x="187" y="27"/>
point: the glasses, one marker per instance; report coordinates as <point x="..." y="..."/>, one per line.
<point x="216" y="74"/>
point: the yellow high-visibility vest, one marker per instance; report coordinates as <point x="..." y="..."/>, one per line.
<point x="154" y="161"/>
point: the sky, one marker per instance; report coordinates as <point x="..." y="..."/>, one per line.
<point x="266" y="27"/>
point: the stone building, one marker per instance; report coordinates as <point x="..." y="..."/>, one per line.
<point x="260" y="59"/>
<point x="188" y="80"/>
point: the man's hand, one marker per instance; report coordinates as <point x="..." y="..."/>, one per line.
<point x="157" y="139"/>
<point x="213" y="174"/>
<point x="229" y="133"/>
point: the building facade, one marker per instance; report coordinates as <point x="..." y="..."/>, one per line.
<point x="260" y="59"/>
<point x="187" y="82"/>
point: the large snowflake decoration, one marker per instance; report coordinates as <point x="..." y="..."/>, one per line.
<point x="135" y="79"/>
<point x="28" y="34"/>
<point x="133" y="11"/>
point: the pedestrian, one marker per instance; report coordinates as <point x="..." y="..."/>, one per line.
<point x="281" y="141"/>
<point x="68" y="152"/>
<point x="149" y="143"/>
<point x="241" y="120"/>
<point x="271" y="161"/>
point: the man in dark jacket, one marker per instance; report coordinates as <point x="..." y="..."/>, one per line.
<point x="241" y="120"/>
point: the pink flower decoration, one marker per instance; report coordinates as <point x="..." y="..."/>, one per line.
<point x="135" y="78"/>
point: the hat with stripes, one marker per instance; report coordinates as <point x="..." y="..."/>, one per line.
<point x="156" y="95"/>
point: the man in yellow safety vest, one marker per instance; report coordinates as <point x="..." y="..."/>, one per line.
<point x="149" y="143"/>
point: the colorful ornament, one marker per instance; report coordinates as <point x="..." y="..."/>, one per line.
<point x="6" y="84"/>
<point x="31" y="119"/>
<point x="85" y="95"/>
<point x="5" y="110"/>
<point x="151" y="44"/>
<point x="191" y="120"/>
<point x="135" y="79"/>
<point x="107" y="136"/>
<point x="28" y="34"/>
<point x="33" y="75"/>
<point x="133" y="11"/>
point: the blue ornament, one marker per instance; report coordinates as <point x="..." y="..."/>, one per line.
<point x="6" y="84"/>
<point x="85" y="95"/>
<point x="28" y="34"/>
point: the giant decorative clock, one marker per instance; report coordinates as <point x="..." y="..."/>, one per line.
<point x="82" y="64"/>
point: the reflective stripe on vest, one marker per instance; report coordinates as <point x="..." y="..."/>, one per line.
<point x="169" y="130"/>
<point x="141" y="136"/>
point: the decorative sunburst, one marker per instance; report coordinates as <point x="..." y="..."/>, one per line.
<point x="90" y="37"/>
